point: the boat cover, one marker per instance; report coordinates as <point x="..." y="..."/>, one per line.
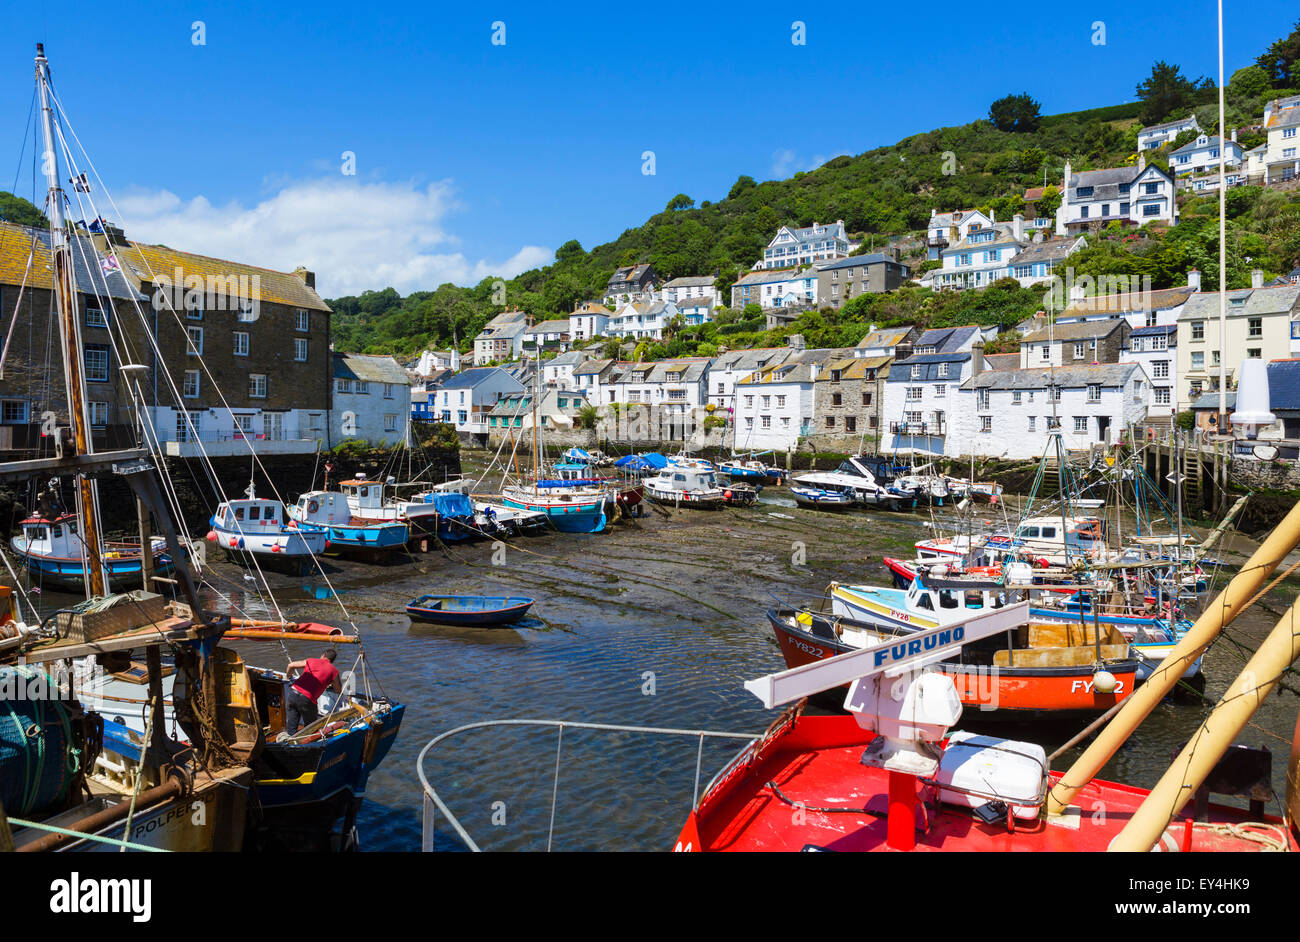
<point x="651" y="460"/>
<point x="452" y="504"/>
<point x="570" y="483"/>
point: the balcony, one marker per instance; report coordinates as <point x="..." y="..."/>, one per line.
<point x="919" y="428"/>
<point x="937" y="242"/>
<point x="226" y="444"/>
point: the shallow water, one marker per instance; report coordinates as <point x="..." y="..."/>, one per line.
<point x="657" y="623"/>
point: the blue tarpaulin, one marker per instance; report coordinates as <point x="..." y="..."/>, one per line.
<point x="577" y="454"/>
<point x="570" y="483"/>
<point x="651" y="460"/>
<point x="453" y="504"/>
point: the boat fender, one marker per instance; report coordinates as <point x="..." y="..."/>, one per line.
<point x="212" y="536"/>
<point x="1041" y="563"/>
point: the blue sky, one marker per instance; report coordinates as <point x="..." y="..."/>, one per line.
<point x="473" y="158"/>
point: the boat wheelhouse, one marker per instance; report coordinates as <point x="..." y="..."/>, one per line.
<point x="369" y="500"/>
<point x="329" y="511"/>
<point x="253" y="528"/>
<point x="680" y="485"/>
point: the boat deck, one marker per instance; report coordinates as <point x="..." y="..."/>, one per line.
<point x="816" y="765"/>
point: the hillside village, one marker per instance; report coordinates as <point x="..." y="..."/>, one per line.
<point x="1086" y="304"/>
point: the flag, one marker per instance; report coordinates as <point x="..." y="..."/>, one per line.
<point x="80" y="183"/>
<point x="109" y="264"/>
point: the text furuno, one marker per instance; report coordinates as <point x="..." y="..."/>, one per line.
<point x="75" y="895"/>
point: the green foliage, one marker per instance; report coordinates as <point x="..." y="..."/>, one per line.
<point x="1015" y="113"/>
<point x="680" y="201"/>
<point x="1281" y="60"/>
<point x="20" y="212"/>
<point x="588" y="416"/>
<point x="1185" y="421"/>
<point x="1249" y="82"/>
<point x="1166" y="90"/>
<point x="714" y="421"/>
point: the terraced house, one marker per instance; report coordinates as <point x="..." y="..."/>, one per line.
<point x="847" y="278"/>
<point x="109" y="307"/>
<point x="246" y="348"/>
<point x="847" y="404"/>
<point x="774" y="407"/>
<point x="372" y="401"/>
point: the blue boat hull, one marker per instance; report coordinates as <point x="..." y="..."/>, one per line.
<point x="469" y="610"/>
<point x="71" y="574"/>
<point x="743" y="474"/>
<point x="578" y="517"/>
<point x="375" y="538"/>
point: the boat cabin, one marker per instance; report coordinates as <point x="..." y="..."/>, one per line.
<point x="57" y="538"/>
<point x="934" y="595"/>
<point x="685" y="480"/>
<point x="322" y="507"/>
<point x="575" y="473"/>
<point x="253" y="515"/>
<point x="364" y="495"/>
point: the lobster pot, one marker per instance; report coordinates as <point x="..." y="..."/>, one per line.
<point x="40" y="748"/>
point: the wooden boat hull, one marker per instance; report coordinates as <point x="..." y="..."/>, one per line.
<point x="511" y="610"/>
<point x="1011" y="692"/>
<point x="586" y="515"/>
<point x="120" y="571"/>
<point x="363" y="539"/>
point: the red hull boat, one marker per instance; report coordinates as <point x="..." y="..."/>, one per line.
<point x="1012" y="692"/>
<point x="803" y="787"/>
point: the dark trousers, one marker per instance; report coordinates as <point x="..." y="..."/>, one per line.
<point x="298" y="712"/>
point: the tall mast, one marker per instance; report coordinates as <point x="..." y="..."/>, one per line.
<point x="1223" y="251"/>
<point x="66" y="302"/>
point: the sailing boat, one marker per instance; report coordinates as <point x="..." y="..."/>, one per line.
<point x="570" y="506"/>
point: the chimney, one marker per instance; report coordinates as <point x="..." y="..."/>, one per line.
<point x="1018" y="227"/>
<point x="1257" y="278"/>
<point x="993" y="215"/>
<point x="796" y="343"/>
<point x="933" y="212"/>
<point x="976" y="359"/>
<point x="1076" y="293"/>
<point x="306" y="277"/>
<point x="1194" y="280"/>
<point x="1234" y="135"/>
<point x="1142" y="162"/>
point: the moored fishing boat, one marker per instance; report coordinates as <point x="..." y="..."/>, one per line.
<point x="482" y="610"/>
<point x="54" y="555"/>
<point x="252" y="530"/>
<point x="684" y="486"/>
<point x="820" y="498"/>
<point x="328" y="511"/>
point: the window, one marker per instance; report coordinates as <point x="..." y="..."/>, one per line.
<point x="303" y="319"/>
<point x="1053" y="422"/>
<point x="940" y="390"/>
<point x="96" y="356"/>
<point x="194" y="313"/>
<point x="1136" y="345"/>
<point x="830" y="421"/>
<point x="195" y="345"/>
<point x="1255" y="327"/>
<point x="1080" y="424"/>
<point x="1214" y="357"/>
<point x="1253" y="352"/>
<point x="986" y="423"/>
<point x="722" y="389"/>
<point x="98" y="414"/>
<point x="388" y="392"/>
<point x="95" y="317"/>
<point x="1162" y="395"/>
<point x="1033" y="420"/>
<point x="245" y="425"/>
<point x="1160" y="369"/>
<point x="300" y="351"/>
<point x="343" y="385"/>
<point x="767" y="402"/>
<point x="749" y="402"/>
<point x="765" y="421"/>
<point x="191" y="388"/>
<point x="866" y="398"/>
<point x="914" y="393"/>
<point x="1159" y="343"/>
<point x="1078" y="351"/>
<point x="1151" y="209"/>
<point x="982" y="396"/>
<point x="241" y="344"/>
<point x="1151" y="189"/>
<point x="256" y="385"/>
<point x="1047" y="351"/>
<point x="916" y="372"/>
<point x="836" y="400"/>
<point x="363" y="387"/>
<point x="390" y="422"/>
<point x="13" y="412"/>
<point x="780" y="401"/>
<point x="943" y="370"/>
<point x="1198" y="330"/>
<point x="1015" y="397"/>
<point x="1094" y="392"/>
<point x="1083" y="192"/>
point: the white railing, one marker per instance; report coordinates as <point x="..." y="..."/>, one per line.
<point x="433" y="802"/>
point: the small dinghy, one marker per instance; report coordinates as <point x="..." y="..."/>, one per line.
<point x="469" y="609"/>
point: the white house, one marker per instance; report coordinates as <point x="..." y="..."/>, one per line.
<point x="1012" y="413"/>
<point x="372" y="400"/>
<point x="774" y="405"/>
<point x="692" y="287"/>
<point x="558" y="371"/>
<point x="547" y="335"/>
<point x="983" y="256"/>
<point x="1037" y="262"/>
<point x="465" y="399"/>
<point x="696" y="310"/>
<point x="1129" y="195"/>
<point x="676" y="386"/>
<point x="1203" y="154"/>
<point x="589" y="319"/>
<point x="643" y="320"/>
<point x="920" y="394"/>
<point x="947" y="229"/>
<point x="729" y="368"/>
<point x="792" y="247"/>
<point x="502" y="338"/>
<point x="1282" y="123"/>
<point x="597" y="381"/>
<point x="1158" y="135"/>
<point x="433" y="361"/>
<point x="1156" y="350"/>
<point x="884" y="343"/>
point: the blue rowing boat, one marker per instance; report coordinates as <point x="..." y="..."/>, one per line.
<point x="469" y="609"/>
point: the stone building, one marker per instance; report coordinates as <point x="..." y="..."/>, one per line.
<point x="847" y="403"/>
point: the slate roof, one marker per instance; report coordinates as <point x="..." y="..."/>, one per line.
<point x="691" y="281"/>
<point x="752" y="359"/>
<point x="946" y="339"/>
<point x="1284" y="385"/>
<point x="1257" y="302"/>
<point x="1049" y="250"/>
<point x="1106" y="374"/>
<point x="591" y="367"/>
<point x="852" y="368"/>
<point x="152" y="262"/>
<point x="854" y="261"/>
<point x="1166" y="330"/>
<point x="1196" y="145"/>
<point x="468" y="379"/>
<point x="901" y="371"/>
<point x="1078" y="330"/>
<point x="1210" y="400"/>
<point x="372" y="369"/>
<point x="1161" y="299"/>
<point x="16" y="244"/>
<point x="691" y="370"/>
<point x="564" y="359"/>
<point x="1001" y="361"/>
<point x="550" y="327"/>
<point x="769" y="275"/>
<point x="1190" y="119"/>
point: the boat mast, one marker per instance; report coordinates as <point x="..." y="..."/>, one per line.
<point x="66" y="303"/>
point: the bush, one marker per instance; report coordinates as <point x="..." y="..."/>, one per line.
<point x="1185" y="421"/>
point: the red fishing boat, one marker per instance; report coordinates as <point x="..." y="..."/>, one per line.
<point x="893" y="775"/>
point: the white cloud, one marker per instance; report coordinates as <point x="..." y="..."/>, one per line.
<point x="786" y="162"/>
<point x="354" y="235"/>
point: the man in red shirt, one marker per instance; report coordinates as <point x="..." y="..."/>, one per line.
<point x="318" y="675"/>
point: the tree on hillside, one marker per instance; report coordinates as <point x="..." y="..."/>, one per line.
<point x="680" y="201"/>
<point x="1016" y="113"/>
<point x="1165" y="91"/>
<point x="569" y="251"/>
<point x="1282" y="61"/>
<point x="17" y="210"/>
<point x="1249" y="82"/>
<point x="742" y="184"/>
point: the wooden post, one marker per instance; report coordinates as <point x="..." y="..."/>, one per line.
<point x="146" y="547"/>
